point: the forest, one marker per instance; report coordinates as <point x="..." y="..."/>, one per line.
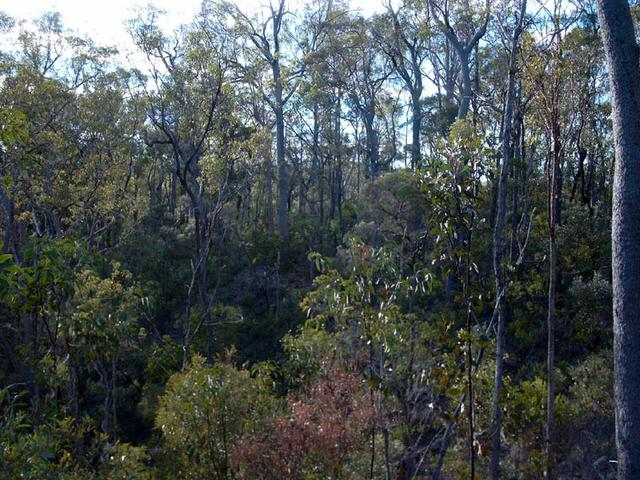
<point x="302" y="242"/>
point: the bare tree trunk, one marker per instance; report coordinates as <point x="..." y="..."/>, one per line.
<point x="519" y="178"/>
<point x="554" y="216"/>
<point x="622" y="55"/>
<point x="203" y="241"/>
<point x="496" y="423"/>
<point x="174" y="194"/>
<point x="450" y="79"/>
<point x="373" y="142"/>
<point x="416" y="127"/>
<point x="465" y="100"/>
<point x="314" y="175"/>
<point x="338" y="140"/>
<point x="551" y="325"/>
<point x="269" y="191"/>
<point x="283" y="187"/>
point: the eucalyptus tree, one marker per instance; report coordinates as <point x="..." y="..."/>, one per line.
<point x="310" y="123"/>
<point x="621" y="48"/>
<point x="549" y="85"/>
<point x="498" y="268"/>
<point x="56" y="81"/>
<point x="267" y="40"/>
<point x="464" y="26"/>
<point x="316" y="112"/>
<point x="402" y="34"/>
<point x="63" y="173"/>
<point x="366" y="74"/>
<point x="190" y="106"/>
<point x="588" y="90"/>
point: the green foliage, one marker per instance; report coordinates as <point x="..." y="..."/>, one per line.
<point x="62" y="448"/>
<point x="38" y="452"/>
<point x="163" y="360"/>
<point x="124" y="462"/>
<point x="204" y="412"/>
<point x="104" y="313"/>
<point x="137" y="214"/>
<point x="13" y="128"/>
<point x="390" y="210"/>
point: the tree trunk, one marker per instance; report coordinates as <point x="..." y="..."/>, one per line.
<point x="551" y="325"/>
<point x="338" y="140"/>
<point x="203" y="241"/>
<point x="314" y="174"/>
<point x="555" y="189"/>
<point x="283" y="188"/>
<point x="373" y="143"/>
<point x="173" y="200"/>
<point x="622" y="55"/>
<point x="416" y="126"/>
<point x="496" y="423"/>
<point x="465" y="73"/>
<point x="449" y="75"/>
<point x="269" y="188"/>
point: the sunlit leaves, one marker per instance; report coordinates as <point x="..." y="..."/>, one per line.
<point x="204" y="413"/>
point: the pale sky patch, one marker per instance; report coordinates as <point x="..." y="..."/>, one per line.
<point x="104" y="20"/>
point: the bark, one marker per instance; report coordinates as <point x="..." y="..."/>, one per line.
<point x="496" y="423"/>
<point x="314" y="174"/>
<point x="450" y="73"/>
<point x="269" y="188"/>
<point x="465" y="100"/>
<point x="518" y="175"/>
<point x="203" y="248"/>
<point x="372" y="140"/>
<point x="338" y="140"/>
<point x="174" y="194"/>
<point x="551" y="325"/>
<point x="622" y="55"/>
<point x="283" y="189"/>
<point x="555" y="187"/>
<point x="416" y="127"/>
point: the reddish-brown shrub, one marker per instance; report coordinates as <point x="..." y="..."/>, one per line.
<point x="327" y="423"/>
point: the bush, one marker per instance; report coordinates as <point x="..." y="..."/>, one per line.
<point x="203" y="414"/>
<point x="328" y="423"/>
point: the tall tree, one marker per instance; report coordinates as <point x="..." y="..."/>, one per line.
<point x="400" y="34"/>
<point x="266" y="35"/>
<point x="555" y="153"/>
<point x="366" y="75"/>
<point x="498" y="269"/>
<point x="464" y="36"/>
<point x="622" y="53"/>
<point x="190" y="111"/>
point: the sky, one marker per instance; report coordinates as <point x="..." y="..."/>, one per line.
<point x="103" y="20"/>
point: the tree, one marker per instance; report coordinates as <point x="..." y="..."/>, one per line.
<point x="498" y="268"/>
<point x="622" y="53"/>
<point x="266" y="35"/>
<point x="139" y="224"/>
<point x="191" y="112"/>
<point x="367" y="71"/>
<point x="463" y="41"/>
<point x="325" y="425"/>
<point x="103" y="319"/>
<point x="204" y="413"/>
<point x="401" y="36"/>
